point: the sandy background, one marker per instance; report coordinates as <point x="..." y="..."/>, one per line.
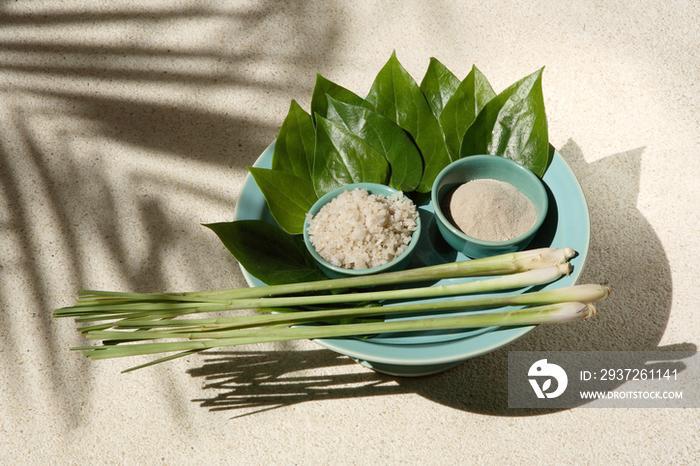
<point x="125" y="125"/>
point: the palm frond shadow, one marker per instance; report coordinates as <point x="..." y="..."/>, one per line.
<point x="86" y="90"/>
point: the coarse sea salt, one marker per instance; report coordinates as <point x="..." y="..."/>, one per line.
<point x="358" y="230"/>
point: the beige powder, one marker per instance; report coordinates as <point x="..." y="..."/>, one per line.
<point x="489" y="210"/>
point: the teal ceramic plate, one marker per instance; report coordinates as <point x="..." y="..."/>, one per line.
<point x="417" y="354"/>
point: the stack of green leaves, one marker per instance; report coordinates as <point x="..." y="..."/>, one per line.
<point x="401" y="134"/>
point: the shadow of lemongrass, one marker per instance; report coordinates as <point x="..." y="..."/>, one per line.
<point x="252" y="382"/>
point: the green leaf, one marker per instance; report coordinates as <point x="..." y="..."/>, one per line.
<point x="513" y="125"/>
<point x="396" y="95"/>
<point x="438" y="85"/>
<point x="341" y="158"/>
<point x="288" y="197"/>
<point x="267" y="252"/>
<point x="294" y="146"/>
<point x="460" y="111"/>
<point x="386" y="137"/>
<point x="323" y="88"/>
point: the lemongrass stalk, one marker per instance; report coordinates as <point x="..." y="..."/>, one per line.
<point x="504" y="282"/>
<point x="489" y="266"/>
<point x="578" y="293"/>
<point x="552" y="313"/>
<point x="503" y="264"/>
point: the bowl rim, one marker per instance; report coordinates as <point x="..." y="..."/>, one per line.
<point x="326" y="198"/>
<point x="494" y="159"/>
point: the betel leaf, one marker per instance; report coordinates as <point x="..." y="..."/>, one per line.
<point x="396" y="95"/>
<point x="324" y="87"/>
<point x="438" y="85"/>
<point x="289" y="197"/>
<point x="460" y="111"/>
<point x="513" y="125"/>
<point x="294" y="146"/>
<point x="341" y="158"/>
<point x="386" y="137"/>
<point x="267" y="252"/>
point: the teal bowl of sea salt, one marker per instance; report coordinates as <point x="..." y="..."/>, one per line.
<point x="362" y="229"/>
<point x="487" y="205"/>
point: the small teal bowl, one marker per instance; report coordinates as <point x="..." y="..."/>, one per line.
<point x="487" y="167"/>
<point x="333" y="271"/>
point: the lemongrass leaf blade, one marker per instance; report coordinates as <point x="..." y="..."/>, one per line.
<point x="162" y="360"/>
